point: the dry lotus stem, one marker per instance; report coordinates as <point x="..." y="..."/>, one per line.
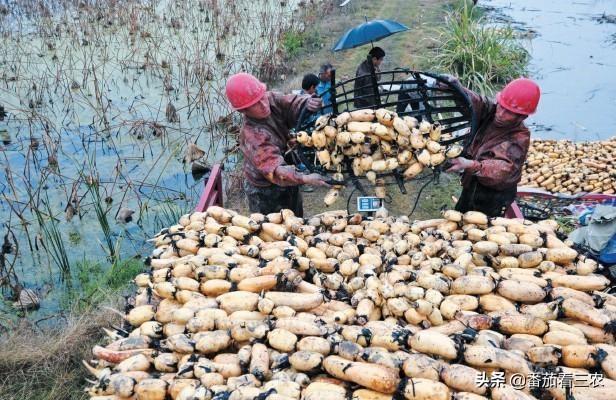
<point x="377" y="142"/>
<point x="561" y="166"/>
<point x="280" y="307"/>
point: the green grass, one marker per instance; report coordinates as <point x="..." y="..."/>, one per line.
<point x="93" y="282"/>
<point x="296" y="41"/>
<point x="482" y="56"/>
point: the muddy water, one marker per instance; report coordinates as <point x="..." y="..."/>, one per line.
<point x="87" y="95"/>
<point x="573" y="53"/>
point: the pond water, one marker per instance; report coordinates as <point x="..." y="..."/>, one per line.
<point x="573" y="50"/>
<point x="102" y="102"/>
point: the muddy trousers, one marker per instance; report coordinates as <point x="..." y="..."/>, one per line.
<point x="270" y="199"/>
<point x="477" y="197"/>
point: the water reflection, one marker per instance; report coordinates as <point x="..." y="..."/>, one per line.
<point x="573" y="53"/>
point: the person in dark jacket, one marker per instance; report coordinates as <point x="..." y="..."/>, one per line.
<point x="270" y="184"/>
<point x="364" y="93"/>
<point x="492" y="164"/>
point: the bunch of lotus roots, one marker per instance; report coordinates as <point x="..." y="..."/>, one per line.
<point x="374" y="143"/>
<point x="561" y="166"/>
<point x="336" y="307"/>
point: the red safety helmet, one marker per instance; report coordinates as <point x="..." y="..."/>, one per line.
<point x="244" y="90"/>
<point x="520" y="96"/>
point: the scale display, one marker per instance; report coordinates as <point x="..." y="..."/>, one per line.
<point x="369" y="204"/>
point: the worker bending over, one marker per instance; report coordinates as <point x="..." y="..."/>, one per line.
<point x="270" y="184"/>
<point x="492" y="163"/>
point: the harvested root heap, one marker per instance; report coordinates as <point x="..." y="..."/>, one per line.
<point x="334" y="307"/>
<point x="374" y="143"/>
<point x="561" y="166"/>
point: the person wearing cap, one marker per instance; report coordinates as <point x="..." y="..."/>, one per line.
<point x="364" y="96"/>
<point x="492" y="163"/>
<point x="309" y="84"/>
<point x="325" y="83"/>
<point x="270" y="184"/>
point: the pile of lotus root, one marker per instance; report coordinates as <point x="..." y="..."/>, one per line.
<point x="376" y="142"/>
<point x="561" y="166"/>
<point x="339" y="307"/>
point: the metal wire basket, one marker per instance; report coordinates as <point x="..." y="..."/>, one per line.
<point x="423" y="95"/>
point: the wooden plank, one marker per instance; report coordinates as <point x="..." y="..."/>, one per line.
<point x="514" y="211"/>
<point x="212" y="191"/>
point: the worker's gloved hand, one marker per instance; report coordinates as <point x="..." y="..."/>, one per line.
<point x="449" y="78"/>
<point x="314" y="104"/>
<point x="315" y="180"/>
<point x="462" y="164"/>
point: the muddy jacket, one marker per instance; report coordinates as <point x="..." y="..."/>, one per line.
<point x="264" y="142"/>
<point x="500" y="150"/>
<point x="363" y="75"/>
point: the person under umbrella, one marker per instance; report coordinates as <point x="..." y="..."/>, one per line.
<point x="270" y="184"/>
<point x="364" y="93"/>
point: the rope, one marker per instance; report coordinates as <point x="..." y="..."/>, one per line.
<point x="349" y="201"/>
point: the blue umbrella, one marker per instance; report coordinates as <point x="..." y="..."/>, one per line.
<point x="369" y="31"/>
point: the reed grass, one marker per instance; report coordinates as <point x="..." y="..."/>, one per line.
<point x="101" y="211"/>
<point x="168" y="213"/>
<point x="52" y="240"/>
<point x="484" y="57"/>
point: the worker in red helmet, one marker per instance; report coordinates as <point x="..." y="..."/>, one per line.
<point x="270" y="184"/>
<point x="492" y="163"/>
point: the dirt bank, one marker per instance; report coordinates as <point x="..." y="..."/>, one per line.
<point x="410" y="49"/>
